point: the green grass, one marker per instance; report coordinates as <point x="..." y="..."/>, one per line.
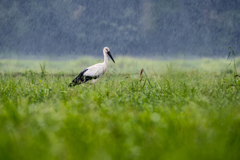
<point x="181" y="109"/>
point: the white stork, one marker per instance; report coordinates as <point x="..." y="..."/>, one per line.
<point x="93" y="72"/>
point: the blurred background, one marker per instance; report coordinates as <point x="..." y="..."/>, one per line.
<point x="170" y="28"/>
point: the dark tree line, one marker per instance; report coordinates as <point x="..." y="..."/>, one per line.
<point x="165" y="27"/>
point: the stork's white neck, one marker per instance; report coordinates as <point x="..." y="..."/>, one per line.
<point x="105" y="58"/>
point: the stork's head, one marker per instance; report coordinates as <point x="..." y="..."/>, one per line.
<point x="106" y="50"/>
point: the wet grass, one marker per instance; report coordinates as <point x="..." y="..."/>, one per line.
<point x="172" y="113"/>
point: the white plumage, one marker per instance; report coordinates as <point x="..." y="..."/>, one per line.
<point x="93" y="72"/>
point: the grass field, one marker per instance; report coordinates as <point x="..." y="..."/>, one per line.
<point x="181" y="109"/>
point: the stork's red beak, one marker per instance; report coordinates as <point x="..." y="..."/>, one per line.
<point x="110" y="56"/>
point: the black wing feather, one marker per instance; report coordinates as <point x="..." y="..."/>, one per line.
<point x="81" y="79"/>
<point x="78" y="80"/>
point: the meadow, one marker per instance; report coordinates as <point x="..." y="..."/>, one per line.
<point x="178" y="109"/>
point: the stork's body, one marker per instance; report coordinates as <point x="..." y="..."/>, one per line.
<point x="93" y="72"/>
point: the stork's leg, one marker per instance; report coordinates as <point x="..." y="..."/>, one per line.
<point x="92" y="84"/>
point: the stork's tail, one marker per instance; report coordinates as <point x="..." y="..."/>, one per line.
<point x="72" y="84"/>
<point x="75" y="81"/>
<point x="78" y="80"/>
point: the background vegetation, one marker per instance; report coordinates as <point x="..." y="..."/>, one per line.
<point x="136" y="27"/>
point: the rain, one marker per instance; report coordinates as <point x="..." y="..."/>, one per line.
<point x="167" y="28"/>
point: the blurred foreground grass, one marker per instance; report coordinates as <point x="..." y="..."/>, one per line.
<point x="187" y="110"/>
